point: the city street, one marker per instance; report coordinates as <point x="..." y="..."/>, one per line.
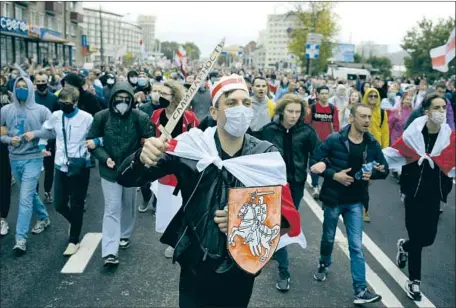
<point x="145" y="278"/>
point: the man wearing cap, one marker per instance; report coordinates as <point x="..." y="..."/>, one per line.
<point x="209" y="277"/>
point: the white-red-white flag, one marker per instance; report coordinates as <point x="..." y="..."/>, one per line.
<point x="143" y="49"/>
<point x="442" y="55"/>
<point x="181" y="56"/>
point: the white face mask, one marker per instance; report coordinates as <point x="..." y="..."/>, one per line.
<point x="122" y="108"/>
<point x="438" y="117"/>
<point x="134" y="80"/>
<point x="238" y="120"/>
<point x="155" y="96"/>
<point x="110" y="81"/>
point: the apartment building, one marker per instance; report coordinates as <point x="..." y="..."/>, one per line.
<point x="109" y="36"/>
<point x="277" y="40"/>
<point x="47" y="31"/>
<point x="147" y="23"/>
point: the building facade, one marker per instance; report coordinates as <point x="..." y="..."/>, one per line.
<point x="48" y="32"/>
<point x="147" y="23"/>
<point x="370" y="49"/>
<point x="277" y="39"/>
<point x="110" y="37"/>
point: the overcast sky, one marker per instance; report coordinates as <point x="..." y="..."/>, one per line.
<point x="205" y="23"/>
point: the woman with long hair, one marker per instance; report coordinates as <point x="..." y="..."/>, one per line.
<point x="354" y="98"/>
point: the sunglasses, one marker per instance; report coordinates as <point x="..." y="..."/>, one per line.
<point x="373" y="96"/>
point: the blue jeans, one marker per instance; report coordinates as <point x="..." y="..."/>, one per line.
<point x="27" y="174"/>
<point x="353" y="220"/>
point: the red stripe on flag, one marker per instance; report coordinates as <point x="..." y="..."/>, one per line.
<point x="225" y="83"/>
<point x="439" y="61"/>
<point x="290" y="212"/>
<point x="450" y="45"/>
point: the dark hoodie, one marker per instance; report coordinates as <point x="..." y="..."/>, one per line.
<point x="87" y="101"/>
<point x="130" y="75"/>
<point x="121" y="134"/>
<point x="107" y="89"/>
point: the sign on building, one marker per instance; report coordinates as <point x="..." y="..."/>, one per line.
<point x="13" y="25"/>
<point x="344" y="53"/>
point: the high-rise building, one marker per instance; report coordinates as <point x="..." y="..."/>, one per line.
<point x="119" y="36"/>
<point x="277" y="38"/>
<point x="147" y="23"/>
<point x="370" y="49"/>
<point x="48" y="31"/>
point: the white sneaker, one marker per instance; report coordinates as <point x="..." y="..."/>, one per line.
<point x="71" y="249"/>
<point x="169" y="252"/>
<point x="40" y="226"/>
<point x="316" y="192"/>
<point x="4" y="227"/>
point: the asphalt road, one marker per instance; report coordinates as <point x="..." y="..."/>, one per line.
<point x="145" y="278"/>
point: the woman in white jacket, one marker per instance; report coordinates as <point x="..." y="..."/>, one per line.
<point x="69" y="126"/>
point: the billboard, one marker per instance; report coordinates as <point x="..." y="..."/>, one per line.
<point x="344" y="53"/>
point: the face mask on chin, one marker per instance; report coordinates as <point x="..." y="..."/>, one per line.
<point x="238" y="120"/>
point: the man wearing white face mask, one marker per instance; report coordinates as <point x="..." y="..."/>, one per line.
<point x="107" y="89"/>
<point x="122" y="128"/>
<point x="426" y="154"/>
<point x="198" y="230"/>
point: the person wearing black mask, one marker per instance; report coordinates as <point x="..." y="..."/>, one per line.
<point x="107" y="89"/>
<point x="158" y="76"/>
<point x="44" y="97"/>
<point x="88" y="102"/>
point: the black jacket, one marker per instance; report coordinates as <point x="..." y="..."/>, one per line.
<point x="300" y="141"/>
<point x="121" y="135"/>
<point x="193" y="229"/>
<point x="334" y="151"/>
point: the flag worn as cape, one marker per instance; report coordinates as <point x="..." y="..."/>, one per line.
<point x="411" y="147"/>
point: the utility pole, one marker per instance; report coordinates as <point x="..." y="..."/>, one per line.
<point x="313" y="29"/>
<point x="101" y="38"/>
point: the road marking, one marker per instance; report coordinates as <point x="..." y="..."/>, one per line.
<point x="372" y="278"/>
<point x="77" y="263"/>
<point x="380" y="256"/>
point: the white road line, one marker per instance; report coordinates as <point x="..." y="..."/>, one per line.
<point x="372" y="278"/>
<point x="382" y="258"/>
<point x="78" y="262"/>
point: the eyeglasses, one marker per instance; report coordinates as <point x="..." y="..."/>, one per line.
<point x="123" y="100"/>
<point x="373" y="96"/>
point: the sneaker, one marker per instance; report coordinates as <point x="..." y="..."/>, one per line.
<point x="366" y="217"/>
<point x="111" y="260"/>
<point x="19" y="248"/>
<point x="124" y="243"/>
<point x="402" y="255"/>
<point x="143" y="207"/>
<point x="321" y="273"/>
<point x="48" y="198"/>
<point x="71" y="249"/>
<point x="3" y="227"/>
<point x="169" y="252"/>
<point x="40" y="226"/>
<point x="283" y="284"/>
<point x="402" y="197"/>
<point x="316" y="192"/>
<point x="412" y="288"/>
<point x="365" y="297"/>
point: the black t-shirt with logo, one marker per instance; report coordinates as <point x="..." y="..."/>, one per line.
<point x="355" y="192"/>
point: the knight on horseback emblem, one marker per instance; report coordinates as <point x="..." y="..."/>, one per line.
<point x="253" y="240"/>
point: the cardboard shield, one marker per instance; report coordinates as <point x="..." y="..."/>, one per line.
<point x="254" y="216"/>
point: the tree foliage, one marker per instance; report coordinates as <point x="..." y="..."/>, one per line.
<point x="383" y="64"/>
<point x="419" y="40"/>
<point x="314" y="17"/>
<point x="128" y="58"/>
<point x="169" y="50"/>
<point x="357" y="58"/>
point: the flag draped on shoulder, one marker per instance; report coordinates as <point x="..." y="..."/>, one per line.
<point x="411" y="148"/>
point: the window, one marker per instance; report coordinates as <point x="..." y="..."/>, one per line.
<point x="73" y="29"/>
<point x="6" y="11"/>
<point x="70" y="5"/>
<point x="59" y="25"/>
<point x="40" y="19"/>
<point x="20" y="12"/>
<point x="49" y="22"/>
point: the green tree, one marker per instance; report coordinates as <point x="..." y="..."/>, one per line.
<point x="419" y="40"/>
<point x="128" y="58"/>
<point x="169" y="49"/>
<point x="193" y="52"/>
<point x="383" y="64"/>
<point x="314" y="17"/>
<point x="357" y="58"/>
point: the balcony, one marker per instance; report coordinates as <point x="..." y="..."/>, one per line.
<point x="76" y="17"/>
<point x="53" y="7"/>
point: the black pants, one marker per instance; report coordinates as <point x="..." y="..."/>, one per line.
<point x="48" y="163"/>
<point x="5" y="183"/>
<point x="73" y="189"/>
<point x="421" y="220"/>
<point x="146" y="192"/>
<point x="205" y="288"/>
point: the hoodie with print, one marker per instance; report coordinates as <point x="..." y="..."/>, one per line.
<point x="20" y="118"/>
<point x="379" y="129"/>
